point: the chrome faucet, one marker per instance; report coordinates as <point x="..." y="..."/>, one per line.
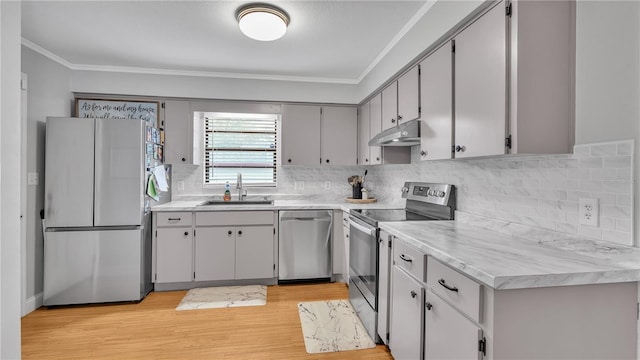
<point x="241" y="196"/>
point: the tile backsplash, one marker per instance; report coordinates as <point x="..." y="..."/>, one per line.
<point x="541" y="191"/>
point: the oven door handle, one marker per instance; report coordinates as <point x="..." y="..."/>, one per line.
<point x="364" y="229"/>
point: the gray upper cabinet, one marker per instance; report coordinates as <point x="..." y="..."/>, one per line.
<point x="300" y="134"/>
<point x="480" y="86"/>
<point x="408" y="95"/>
<point x="363" y="134"/>
<point x="390" y="106"/>
<point x="436" y="98"/>
<point x="375" y="126"/>
<point x="339" y="135"/>
<point x="178" y="124"/>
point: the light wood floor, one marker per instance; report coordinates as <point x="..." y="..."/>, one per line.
<point x="153" y="329"/>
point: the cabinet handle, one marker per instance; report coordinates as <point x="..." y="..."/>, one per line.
<point x="460" y="148"/>
<point x="289" y="160"/>
<point x="229" y="232"/>
<point x="183" y="159"/>
<point x="413" y="294"/>
<point x="239" y="232"/>
<point x="428" y="306"/>
<point x="441" y="282"/>
<point x="405" y="258"/>
<point x="174" y="219"/>
<point x="186" y="233"/>
<point x="423" y="153"/>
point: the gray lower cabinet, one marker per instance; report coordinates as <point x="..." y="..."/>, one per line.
<point x="174" y="249"/>
<point x="384" y="285"/>
<point x="254" y="252"/>
<point x="215" y="253"/>
<point x="447" y="333"/>
<point x="406" y="316"/>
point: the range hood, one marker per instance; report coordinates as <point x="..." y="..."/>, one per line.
<point x="405" y="134"/>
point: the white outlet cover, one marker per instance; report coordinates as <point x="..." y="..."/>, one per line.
<point x="589" y="212"/>
<point x="299" y="185"/>
<point x="181" y="185"/>
<point x="327" y="185"/>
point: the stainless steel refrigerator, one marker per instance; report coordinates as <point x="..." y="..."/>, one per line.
<point x="97" y="245"/>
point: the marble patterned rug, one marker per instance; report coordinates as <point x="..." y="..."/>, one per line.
<point x="224" y="296"/>
<point x="329" y="326"/>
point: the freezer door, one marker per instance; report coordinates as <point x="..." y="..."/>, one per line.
<point x="119" y="172"/>
<point x="82" y="267"/>
<point x="69" y="172"/>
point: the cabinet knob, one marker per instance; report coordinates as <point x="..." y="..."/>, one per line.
<point x="399" y="118"/>
<point x="186" y="233"/>
<point x="377" y="159"/>
<point x="423" y="153"/>
<point x="428" y="306"/>
<point x="289" y="160"/>
<point x="393" y="121"/>
<point x="327" y="161"/>
<point x="239" y="232"/>
<point x="347" y="235"/>
<point x="184" y="159"/>
<point x="229" y="232"/>
<point x="413" y="294"/>
<point x="366" y="160"/>
<point x="460" y="148"/>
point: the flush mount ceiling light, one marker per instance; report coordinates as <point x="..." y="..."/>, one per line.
<point x="262" y="22"/>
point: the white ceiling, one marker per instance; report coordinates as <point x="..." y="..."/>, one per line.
<point x="327" y="41"/>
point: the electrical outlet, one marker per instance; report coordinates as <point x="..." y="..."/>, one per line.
<point x="299" y="185"/>
<point x="180" y="185"/>
<point x="327" y="185"/>
<point x="588" y="212"/>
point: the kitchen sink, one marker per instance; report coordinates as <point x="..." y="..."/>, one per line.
<point x="236" y="202"/>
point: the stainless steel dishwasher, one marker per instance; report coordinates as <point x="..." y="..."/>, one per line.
<point x="305" y="246"/>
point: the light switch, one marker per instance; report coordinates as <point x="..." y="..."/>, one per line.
<point x="33" y="178"/>
<point x="180" y="185"/>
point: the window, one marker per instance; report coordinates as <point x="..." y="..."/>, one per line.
<point x="240" y="143"/>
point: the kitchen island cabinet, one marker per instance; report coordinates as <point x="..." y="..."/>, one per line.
<point x="519" y="299"/>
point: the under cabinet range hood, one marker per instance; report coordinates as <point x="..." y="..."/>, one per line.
<point x="405" y="134"/>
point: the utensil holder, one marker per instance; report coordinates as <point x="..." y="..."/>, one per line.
<point x="357" y="191"/>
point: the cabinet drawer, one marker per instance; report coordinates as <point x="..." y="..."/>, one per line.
<point x="174" y="219"/>
<point x="409" y="259"/>
<point x="213" y="218"/>
<point x="458" y="289"/>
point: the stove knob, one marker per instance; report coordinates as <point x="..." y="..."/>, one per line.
<point x="441" y="193"/>
<point x="405" y="189"/>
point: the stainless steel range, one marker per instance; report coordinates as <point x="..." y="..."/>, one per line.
<point x="425" y="202"/>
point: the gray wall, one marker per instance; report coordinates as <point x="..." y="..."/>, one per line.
<point x="49" y="94"/>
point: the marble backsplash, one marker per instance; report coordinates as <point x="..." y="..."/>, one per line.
<point x="540" y="191"/>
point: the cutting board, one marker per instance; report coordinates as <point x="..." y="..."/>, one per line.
<point x="361" y="201"/>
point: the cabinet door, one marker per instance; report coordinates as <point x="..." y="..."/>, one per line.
<point x="363" y="134"/>
<point x="174" y="255"/>
<point x="409" y="95"/>
<point x="178" y="123"/>
<point x="448" y="334"/>
<point x="215" y="253"/>
<point x="375" y="127"/>
<point x="436" y="94"/>
<point x="339" y="135"/>
<point x="384" y="257"/>
<point x="345" y="266"/>
<point x="254" y="252"/>
<point x="405" y="337"/>
<point x="480" y="86"/>
<point x="390" y="106"/>
<point x="300" y="135"/>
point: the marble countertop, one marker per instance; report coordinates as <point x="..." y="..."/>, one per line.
<point x="194" y="205"/>
<point x="506" y="261"/>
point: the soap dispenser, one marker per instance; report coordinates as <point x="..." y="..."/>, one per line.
<point x="227" y="192"/>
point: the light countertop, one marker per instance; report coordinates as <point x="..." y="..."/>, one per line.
<point x="504" y="261"/>
<point x="194" y="205"/>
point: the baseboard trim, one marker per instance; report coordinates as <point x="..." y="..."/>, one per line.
<point x="32" y="303"/>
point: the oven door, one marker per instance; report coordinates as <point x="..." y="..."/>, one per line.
<point x="363" y="259"/>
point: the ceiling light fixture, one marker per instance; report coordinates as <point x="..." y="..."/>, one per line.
<point x="262" y="22"/>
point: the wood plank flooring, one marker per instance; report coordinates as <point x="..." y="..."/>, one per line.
<point x="153" y="329"/>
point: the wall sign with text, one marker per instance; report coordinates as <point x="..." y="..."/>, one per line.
<point x="118" y="109"/>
